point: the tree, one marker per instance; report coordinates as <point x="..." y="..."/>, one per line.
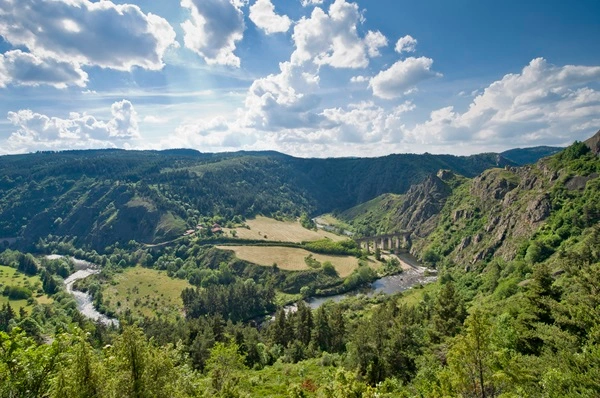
<point x="224" y="363"/>
<point x="470" y="358"/>
<point x="304" y="323"/>
<point x="321" y="334"/>
<point x="27" y="264"/>
<point x="448" y="312"/>
<point x="25" y="366"/>
<point x="82" y="374"/>
<point x="138" y="368"/>
<point x="378" y="254"/>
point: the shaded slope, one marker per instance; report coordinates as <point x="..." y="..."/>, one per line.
<point x="105" y="196"/>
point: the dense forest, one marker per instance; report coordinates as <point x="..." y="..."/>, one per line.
<point x="515" y="311"/>
<point x="100" y="197"/>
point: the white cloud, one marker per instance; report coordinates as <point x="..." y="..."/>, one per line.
<point x="88" y="33"/>
<point x="401" y="77"/>
<point x="406" y="44"/>
<point x="284" y="100"/>
<point x="359" y="79"/>
<point x="367" y="123"/>
<point x="290" y="99"/>
<point x="20" y="68"/>
<point x="214" y="28"/>
<point x="124" y="123"/>
<point x="306" y="3"/>
<point x="542" y="104"/>
<point x="332" y="38"/>
<point x="217" y="134"/>
<point x="262" y="13"/>
<point x="36" y="131"/>
<point x="375" y="40"/>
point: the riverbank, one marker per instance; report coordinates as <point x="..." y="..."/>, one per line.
<point x="85" y="303"/>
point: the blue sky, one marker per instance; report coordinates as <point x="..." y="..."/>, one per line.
<point x="305" y="77"/>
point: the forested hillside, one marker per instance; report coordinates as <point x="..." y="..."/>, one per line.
<point x="105" y="196"/>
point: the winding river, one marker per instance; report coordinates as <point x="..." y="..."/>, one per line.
<point x="85" y="303"/>
<point x="415" y="275"/>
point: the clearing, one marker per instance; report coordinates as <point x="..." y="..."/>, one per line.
<point x="146" y="292"/>
<point x="292" y="259"/>
<point x="11" y="277"/>
<point x="265" y="228"/>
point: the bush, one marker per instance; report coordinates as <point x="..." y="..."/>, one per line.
<point x="329" y="269"/>
<point x="17" y="293"/>
<point x="327" y="246"/>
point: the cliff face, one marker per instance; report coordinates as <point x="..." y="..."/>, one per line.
<point x="594" y="143"/>
<point x="499" y="212"/>
<point x="512" y="203"/>
<point x="416" y="211"/>
<point x="421" y="204"/>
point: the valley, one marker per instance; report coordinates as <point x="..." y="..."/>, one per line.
<point x="250" y="274"/>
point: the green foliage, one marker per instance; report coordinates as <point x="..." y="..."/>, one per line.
<point x="240" y="300"/>
<point x="329" y="269"/>
<point x="312" y="262"/>
<point x="307" y="222"/>
<point x="573" y="152"/>
<point x="328" y="246"/>
<point x="26" y="367"/>
<point x="224" y="366"/>
<point x="448" y="311"/>
<point x="17" y="292"/>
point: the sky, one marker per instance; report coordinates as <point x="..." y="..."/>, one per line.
<point x="310" y="78"/>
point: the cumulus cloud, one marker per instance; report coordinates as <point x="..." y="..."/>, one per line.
<point x="401" y="77"/>
<point x="331" y="38"/>
<point x="290" y="98"/>
<point x="124" y="122"/>
<point x="216" y="134"/>
<point x="543" y="103"/>
<point x="375" y="40"/>
<point x="213" y="29"/>
<point x="283" y="100"/>
<point x="306" y="3"/>
<point x="262" y="13"/>
<point x="88" y="33"/>
<point x="359" y="79"/>
<point x="25" y="69"/>
<point x="367" y="123"/>
<point x="406" y="44"/>
<point x="37" y="131"/>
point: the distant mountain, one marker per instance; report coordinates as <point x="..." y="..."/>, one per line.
<point x="104" y="196"/>
<point x="523" y="156"/>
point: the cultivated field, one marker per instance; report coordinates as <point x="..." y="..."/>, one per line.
<point x="265" y="228"/>
<point x="145" y="292"/>
<point x="292" y="259"/>
<point x="11" y="277"/>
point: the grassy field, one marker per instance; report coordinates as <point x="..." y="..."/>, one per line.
<point x="145" y="292"/>
<point x="292" y="259"/>
<point x="11" y="277"/>
<point x="415" y="295"/>
<point x="265" y="228"/>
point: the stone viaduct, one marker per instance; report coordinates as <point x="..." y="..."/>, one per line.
<point x="398" y="240"/>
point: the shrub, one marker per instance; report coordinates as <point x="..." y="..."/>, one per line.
<point x="17" y="293"/>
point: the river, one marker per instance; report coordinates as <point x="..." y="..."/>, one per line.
<point x="413" y="276"/>
<point x="85" y="304"/>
